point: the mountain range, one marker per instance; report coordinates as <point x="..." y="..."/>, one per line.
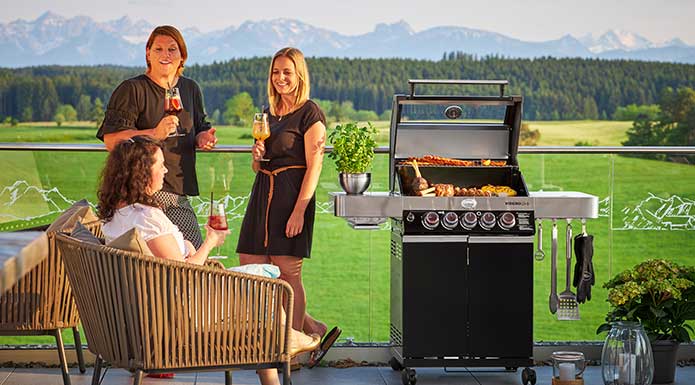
<point x="53" y="39"/>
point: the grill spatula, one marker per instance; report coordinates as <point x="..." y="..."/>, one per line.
<point x="568" y="309"/>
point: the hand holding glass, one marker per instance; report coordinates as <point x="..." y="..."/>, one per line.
<point x="261" y="129"/>
<point x="218" y="221"/>
<point x="172" y="106"/>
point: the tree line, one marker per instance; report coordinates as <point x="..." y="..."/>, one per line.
<point x="553" y="88"/>
<point x="670" y="123"/>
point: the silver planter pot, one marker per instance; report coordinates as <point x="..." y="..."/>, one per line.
<point x="355" y="184"/>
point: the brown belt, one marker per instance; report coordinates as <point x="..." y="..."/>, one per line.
<point x="272" y="174"/>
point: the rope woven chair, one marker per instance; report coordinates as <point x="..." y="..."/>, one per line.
<point x="41" y="303"/>
<point x="152" y="315"/>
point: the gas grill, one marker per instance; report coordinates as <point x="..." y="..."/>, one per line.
<point x="461" y="266"/>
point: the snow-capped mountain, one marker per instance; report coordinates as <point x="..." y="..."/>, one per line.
<point x="615" y="40"/>
<point x="53" y="39"/>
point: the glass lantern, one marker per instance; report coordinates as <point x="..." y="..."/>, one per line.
<point x="627" y="355"/>
<point x="568" y="367"/>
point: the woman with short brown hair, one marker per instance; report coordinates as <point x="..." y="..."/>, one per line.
<point x="138" y="107"/>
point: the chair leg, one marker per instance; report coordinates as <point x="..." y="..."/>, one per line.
<point x="227" y="377"/>
<point x="139" y="374"/>
<point x="78" y="349"/>
<point x="61" y="356"/>
<point x="98" y="363"/>
<point x="286" y="371"/>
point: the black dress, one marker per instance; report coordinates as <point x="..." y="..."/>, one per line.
<point x="284" y="147"/>
<point x="138" y="104"/>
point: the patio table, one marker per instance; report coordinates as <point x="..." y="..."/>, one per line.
<point x="20" y="251"/>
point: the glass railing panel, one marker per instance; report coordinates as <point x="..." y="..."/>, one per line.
<point x="586" y="173"/>
<point x="36" y="186"/>
<point x="646" y="211"/>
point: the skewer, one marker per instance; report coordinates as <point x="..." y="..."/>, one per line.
<point x="426" y="191"/>
<point x="417" y="170"/>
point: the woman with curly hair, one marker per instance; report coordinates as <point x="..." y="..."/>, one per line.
<point x="134" y="172"/>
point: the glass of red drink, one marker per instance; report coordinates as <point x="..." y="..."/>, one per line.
<point x="172" y="106"/>
<point x="218" y="221"/>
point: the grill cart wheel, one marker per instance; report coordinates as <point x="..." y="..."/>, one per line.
<point x="528" y="376"/>
<point x="395" y="365"/>
<point x="408" y="376"/>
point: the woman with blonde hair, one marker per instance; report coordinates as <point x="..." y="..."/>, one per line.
<point x="279" y="220"/>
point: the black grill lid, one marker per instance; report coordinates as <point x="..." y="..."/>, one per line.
<point x="455" y="139"/>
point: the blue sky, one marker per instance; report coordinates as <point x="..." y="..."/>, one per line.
<point x="532" y="20"/>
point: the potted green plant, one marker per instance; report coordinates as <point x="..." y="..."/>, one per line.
<point x="660" y="295"/>
<point x="353" y="153"/>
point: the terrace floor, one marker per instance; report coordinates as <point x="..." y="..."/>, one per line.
<point x="368" y="375"/>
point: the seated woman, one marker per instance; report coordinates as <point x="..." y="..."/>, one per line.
<point x="134" y="171"/>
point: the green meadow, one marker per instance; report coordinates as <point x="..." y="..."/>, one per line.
<point x="347" y="278"/>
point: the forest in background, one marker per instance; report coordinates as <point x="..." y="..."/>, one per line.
<point x="553" y="89"/>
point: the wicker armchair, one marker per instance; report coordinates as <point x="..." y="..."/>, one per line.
<point x="41" y="303"/>
<point x="151" y="315"/>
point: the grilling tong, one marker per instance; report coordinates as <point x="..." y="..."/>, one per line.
<point x="553" y="301"/>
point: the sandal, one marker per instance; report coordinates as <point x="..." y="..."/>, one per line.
<point x="328" y="341"/>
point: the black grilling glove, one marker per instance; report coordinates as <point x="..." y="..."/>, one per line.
<point x="579" y="255"/>
<point x="588" y="278"/>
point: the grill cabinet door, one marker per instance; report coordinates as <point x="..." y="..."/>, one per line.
<point x="434" y="298"/>
<point x="500" y="281"/>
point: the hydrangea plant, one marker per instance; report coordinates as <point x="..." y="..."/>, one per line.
<point x="659" y="294"/>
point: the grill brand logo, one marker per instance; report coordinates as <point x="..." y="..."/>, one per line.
<point x="517" y="203"/>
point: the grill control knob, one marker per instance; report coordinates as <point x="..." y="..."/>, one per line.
<point x="430" y="220"/>
<point x="469" y="220"/>
<point x="507" y="220"/>
<point x="488" y="220"/>
<point x="410" y="217"/>
<point x="450" y="220"/>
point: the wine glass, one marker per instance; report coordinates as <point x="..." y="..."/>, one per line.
<point x="261" y="130"/>
<point x="218" y="221"/>
<point x="172" y="106"/>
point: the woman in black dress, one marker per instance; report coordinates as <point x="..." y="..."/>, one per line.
<point x="136" y="107"/>
<point x="279" y="220"/>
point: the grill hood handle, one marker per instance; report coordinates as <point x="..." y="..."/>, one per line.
<point x="500" y="83"/>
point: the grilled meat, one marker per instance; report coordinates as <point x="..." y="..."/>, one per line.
<point x="419" y="184"/>
<point x="443" y="190"/>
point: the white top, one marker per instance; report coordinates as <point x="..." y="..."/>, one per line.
<point x="150" y="221"/>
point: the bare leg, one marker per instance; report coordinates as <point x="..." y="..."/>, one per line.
<point x="268" y="376"/>
<point x="314" y="326"/>
<point x="291" y="272"/>
<point x="248" y="259"/>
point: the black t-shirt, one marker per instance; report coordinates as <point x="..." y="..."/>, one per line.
<point x="285" y="145"/>
<point x="138" y="104"/>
